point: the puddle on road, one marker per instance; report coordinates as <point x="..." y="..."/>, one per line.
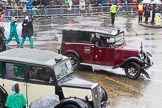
<point x="115" y="85"/>
<point x="50" y="26"/>
<point x="60" y="21"/>
<point x="106" y="23"/>
<point x="131" y="102"/>
<point x="127" y="24"/>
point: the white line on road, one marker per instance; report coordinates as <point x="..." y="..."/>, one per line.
<point x="155" y="70"/>
<point x="153" y="80"/>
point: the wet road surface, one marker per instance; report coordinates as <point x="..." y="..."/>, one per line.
<point x="123" y="92"/>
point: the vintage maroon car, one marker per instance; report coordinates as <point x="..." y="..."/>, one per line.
<point x="94" y="46"/>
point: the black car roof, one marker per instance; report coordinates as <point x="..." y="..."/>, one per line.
<point x="28" y="55"/>
<point x="110" y="31"/>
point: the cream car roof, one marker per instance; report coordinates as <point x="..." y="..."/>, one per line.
<point x="28" y="55"/>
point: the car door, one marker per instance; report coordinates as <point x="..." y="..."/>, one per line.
<point x="14" y="73"/>
<point x="40" y="83"/>
<point x="86" y="46"/>
<point x="104" y="55"/>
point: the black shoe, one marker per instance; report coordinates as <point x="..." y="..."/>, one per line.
<point x="31" y="47"/>
<point x="21" y="46"/>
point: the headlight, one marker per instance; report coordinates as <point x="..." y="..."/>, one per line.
<point x="142" y="54"/>
<point x="103" y="95"/>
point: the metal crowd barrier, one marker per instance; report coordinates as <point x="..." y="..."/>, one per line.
<point x="66" y="11"/>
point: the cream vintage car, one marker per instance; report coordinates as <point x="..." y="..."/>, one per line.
<point x="43" y="73"/>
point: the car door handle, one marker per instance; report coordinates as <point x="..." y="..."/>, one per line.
<point x="96" y="56"/>
<point x="99" y="50"/>
<point x="24" y="84"/>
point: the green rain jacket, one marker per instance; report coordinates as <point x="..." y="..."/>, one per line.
<point x="13" y="27"/>
<point x="15" y="100"/>
<point x="67" y="2"/>
<point x="113" y="9"/>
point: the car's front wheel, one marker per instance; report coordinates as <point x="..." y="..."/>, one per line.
<point x="74" y="60"/>
<point x="132" y="70"/>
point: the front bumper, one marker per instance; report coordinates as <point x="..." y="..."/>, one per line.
<point x="147" y="63"/>
<point x="147" y="66"/>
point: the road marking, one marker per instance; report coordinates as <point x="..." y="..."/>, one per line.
<point x="106" y="16"/>
<point x="153" y="80"/>
<point x="155" y="70"/>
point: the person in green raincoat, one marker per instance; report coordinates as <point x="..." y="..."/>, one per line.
<point x="13" y="32"/>
<point x="67" y="2"/>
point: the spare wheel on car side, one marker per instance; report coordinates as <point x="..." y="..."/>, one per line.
<point x="74" y="60"/>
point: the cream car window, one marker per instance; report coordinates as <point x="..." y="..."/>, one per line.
<point x="15" y="70"/>
<point x="40" y="74"/>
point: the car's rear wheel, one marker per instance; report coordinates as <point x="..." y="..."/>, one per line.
<point x="132" y="70"/>
<point x="70" y="106"/>
<point x="74" y="60"/>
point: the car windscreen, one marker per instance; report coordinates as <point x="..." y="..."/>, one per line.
<point x="63" y="69"/>
<point x="119" y="38"/>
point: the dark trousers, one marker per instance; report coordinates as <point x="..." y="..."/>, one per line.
<point x="113" y="18"/>
<point x="146" y="20"/>
<point x="139" y="17"/>
<point x="2" y="47"/>
<point x="152" y="20"/>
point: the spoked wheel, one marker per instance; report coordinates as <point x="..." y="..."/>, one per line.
<point x="133" y="70"/>
<point x="74" y="60"/>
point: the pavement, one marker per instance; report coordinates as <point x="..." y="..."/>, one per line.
<point x="149" y="24"/>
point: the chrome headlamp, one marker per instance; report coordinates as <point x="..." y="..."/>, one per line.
<point x="142" y="54"/>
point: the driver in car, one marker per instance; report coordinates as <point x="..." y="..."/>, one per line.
<point x="103" y="41"/>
